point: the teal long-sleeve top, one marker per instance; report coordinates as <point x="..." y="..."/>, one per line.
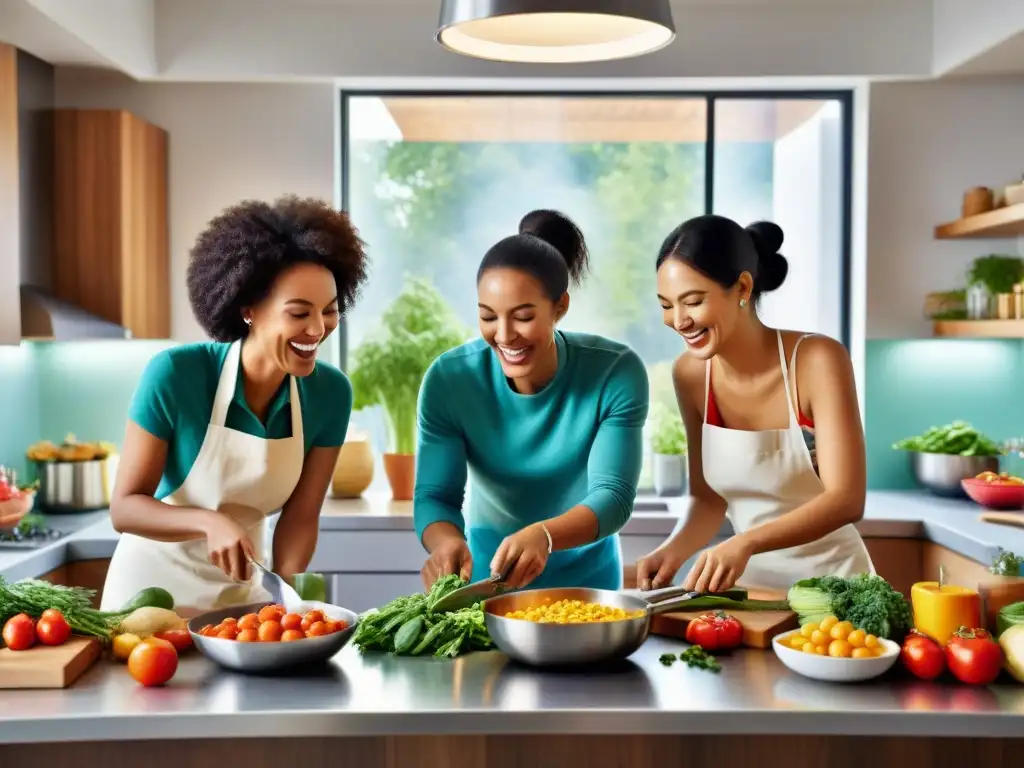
<point x="533" y="457"/>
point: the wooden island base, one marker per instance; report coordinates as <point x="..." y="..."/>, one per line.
<point x="530" y="750"/>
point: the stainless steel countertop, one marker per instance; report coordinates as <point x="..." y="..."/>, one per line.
<point x="898" y="514"/>
<point x="484" y="693"/>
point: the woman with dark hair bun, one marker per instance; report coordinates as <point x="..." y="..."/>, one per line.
<point x="223" y="433"/>
<point x="774" y="446"/>
<point x="547" y="423"/>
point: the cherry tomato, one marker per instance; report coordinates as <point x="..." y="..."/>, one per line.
<point x="229" y="633"/>
<point x="270" y="631"/>
<point x="53" y="630"/>
<point x="248" y="636"/>
<point x="291" y="621"/>
<point x="181" y="639"/>
<point x="973" y="656"/>
<point x="305" y="625"/>
<point x="19" y="632"/>
<point x="922" y="656"/>
<point x="153" y="662"/>
<point x="317" y="629"/>
<point x="715" y="632"/>
<point x="314" y="616"/>
<point x="249" y="621"/>
<point x="292" y="634"/>
<point x="230" y="621"/>
<point x="51" y="613"/>
<point x="208" y="631"/>
<point x="271" y="613"/>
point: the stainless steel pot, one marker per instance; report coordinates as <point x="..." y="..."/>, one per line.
<point x="75" y="486"/>
<point x="539" y="645"/>
<point x="941" y="473"/>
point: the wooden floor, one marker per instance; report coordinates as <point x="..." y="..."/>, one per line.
<point x="531" y="750"/>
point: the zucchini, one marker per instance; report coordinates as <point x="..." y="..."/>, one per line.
<point x="150" y="597"/>
<point x="407" y="635"/>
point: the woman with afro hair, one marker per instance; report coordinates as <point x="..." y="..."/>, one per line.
<point x="223" y="433"/>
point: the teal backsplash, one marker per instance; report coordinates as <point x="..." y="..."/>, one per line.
<point x="50" y="389"/>
<point x="915" y="384"/>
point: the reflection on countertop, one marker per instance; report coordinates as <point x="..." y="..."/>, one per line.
<point x="952" y="523"/>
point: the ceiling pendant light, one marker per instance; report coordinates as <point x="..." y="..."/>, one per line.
<point x="555" y="31"/>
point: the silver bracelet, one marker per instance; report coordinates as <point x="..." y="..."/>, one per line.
<point x="548" y="534"/>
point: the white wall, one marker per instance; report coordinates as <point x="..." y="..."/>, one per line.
<point x="227" y="143"/>
<point x="928" y="142"/>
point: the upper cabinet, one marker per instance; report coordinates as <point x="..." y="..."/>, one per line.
<point x="111" y="249"/>
<point x="10" y="248"/>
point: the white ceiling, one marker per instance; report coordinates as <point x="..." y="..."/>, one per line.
<point x="390" y="42"/>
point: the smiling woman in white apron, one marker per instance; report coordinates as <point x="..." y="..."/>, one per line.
<point x="776" y="448"/>
<point x="222" y="434"/>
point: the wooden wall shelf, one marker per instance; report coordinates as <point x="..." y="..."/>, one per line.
<point x="1002" y="222"/>
<point x="980" y="329"/>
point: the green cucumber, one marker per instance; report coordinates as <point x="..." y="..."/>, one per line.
<point x="407" y="635"/>
<point x="150" y="597"/>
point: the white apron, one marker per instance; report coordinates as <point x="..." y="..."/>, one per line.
<point x="237" y="474"/>
<point x="762" y="476"/>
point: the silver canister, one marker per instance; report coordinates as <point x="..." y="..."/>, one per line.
<point x="941" y="473"/>
<point x="75" y="486"/>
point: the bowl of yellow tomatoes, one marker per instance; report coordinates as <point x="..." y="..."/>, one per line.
<point x="835" y="651"/>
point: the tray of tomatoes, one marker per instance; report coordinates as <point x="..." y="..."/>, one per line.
<point x="265" y="637"/>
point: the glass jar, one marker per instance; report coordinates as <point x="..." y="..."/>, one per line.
<point x="979" y="302"/>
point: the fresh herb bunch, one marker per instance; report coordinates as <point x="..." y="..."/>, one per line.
<point x="32" y="596"/>
<point x="668" y="436"/>
<point x="409" y="626"/>
<point x="694" y="656"/>
<point x="1006" y="564"/>
<point x="866" y="600"/>
<point x="997" y="272"/>
<point x="956" y="439"/>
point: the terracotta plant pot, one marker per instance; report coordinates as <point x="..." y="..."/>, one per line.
<point x="401" y="471"/>
<point x="354" y="470"/>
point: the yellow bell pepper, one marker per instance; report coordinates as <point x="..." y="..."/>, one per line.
<point x="939" y="611"/>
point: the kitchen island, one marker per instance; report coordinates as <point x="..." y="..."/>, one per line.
<point x="372" y="710"/>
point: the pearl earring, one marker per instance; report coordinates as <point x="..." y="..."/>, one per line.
<point x="743" y="302"/>
<point x="248" y="320"/>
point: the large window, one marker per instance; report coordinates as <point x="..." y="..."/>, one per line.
<point x="432" y="181"/>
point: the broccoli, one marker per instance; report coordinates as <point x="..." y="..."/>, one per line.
<point x="866" y="600"/>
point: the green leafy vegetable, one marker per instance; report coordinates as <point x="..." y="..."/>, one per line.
<point x="695" y="656"/>
<point x="1008" y="616"/>
<point x="717" y="602"/>
<point x="997" y="272"/>
<point x="408" y="626"/>
<point x="866" y="600"/>
<point x="668" y="436"/>
<point x="1006" y="564"/>
<point x="33" y="597"/>
<point x="956" y="439"/>
<point x="668" y="659"/>
<point x="388" y="367"/>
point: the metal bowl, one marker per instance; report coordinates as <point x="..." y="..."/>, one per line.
<point x="269" y="657"/>
<point x="941" y="473"/>
<point x="537" y="644"/>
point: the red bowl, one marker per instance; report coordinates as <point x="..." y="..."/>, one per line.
<point x="995" y="495"/>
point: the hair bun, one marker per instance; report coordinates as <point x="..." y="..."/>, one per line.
<point x="559" y="231"/>
<point x="772" y="265"/>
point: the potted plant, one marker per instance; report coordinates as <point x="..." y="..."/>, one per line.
<point x="668" y="444"/>
<point x="388" y="368"/>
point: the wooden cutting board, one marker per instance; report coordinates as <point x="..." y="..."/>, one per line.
<point x="43" y="666"/>
<point x="1004" y="518"/>
<point x="759" y="627"/>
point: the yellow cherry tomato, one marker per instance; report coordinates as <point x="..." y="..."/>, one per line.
<point x="808" y="647"/>
<point x="839" y="649"/>
<point x="857" y="638"/>
<point x="841" y="630"/>
<point x="809" y="629"/>
<point x="870" y="641"/>
<point x="819" y="637"/>
<point x="821" y="650"/>
<point x="827" y="623"/>
<point x="863" y="653"/>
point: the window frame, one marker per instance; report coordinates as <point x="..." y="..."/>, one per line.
<point x="844" y="97"/>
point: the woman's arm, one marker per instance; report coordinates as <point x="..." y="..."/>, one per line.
<point x="707" y="509"/>
<point x="616" y="458"/>
<point x="831" y="392"/>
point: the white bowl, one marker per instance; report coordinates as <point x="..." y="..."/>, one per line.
<point x="832" y="669"/>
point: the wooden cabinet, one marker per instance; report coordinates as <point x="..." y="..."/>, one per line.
<point x="10" y="248"/>
<point x="110" y="213"/>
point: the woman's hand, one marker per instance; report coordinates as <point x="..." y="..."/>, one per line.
<point x="718" y="568"/>
<point x="229" y="546"/>
<point x="522" y="557"/>
<point x="657" y="569"/>
<point x="450" y="556"/>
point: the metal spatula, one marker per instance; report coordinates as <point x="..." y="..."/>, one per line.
<point x="280" y="590"/>
<point x="470" y="594"/>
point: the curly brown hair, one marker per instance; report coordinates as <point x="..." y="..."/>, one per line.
<point x="236" y="259"/>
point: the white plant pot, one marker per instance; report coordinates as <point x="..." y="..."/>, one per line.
<point x="669" y="474"/>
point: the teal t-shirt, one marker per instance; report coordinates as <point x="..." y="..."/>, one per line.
<point x="532" y="457"/>
<point x="174" y="401"/>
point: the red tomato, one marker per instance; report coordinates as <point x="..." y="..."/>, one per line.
<point x="53" y="629"/>
<point x="973" y="656"/>
<point x="20" y="632"/>
<point x="153" y="662"/>
<point x="922" y="656"/>
<point x="51" y="613"/>
<point x="181" y="639"/>
<point x="715" y="632"/>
